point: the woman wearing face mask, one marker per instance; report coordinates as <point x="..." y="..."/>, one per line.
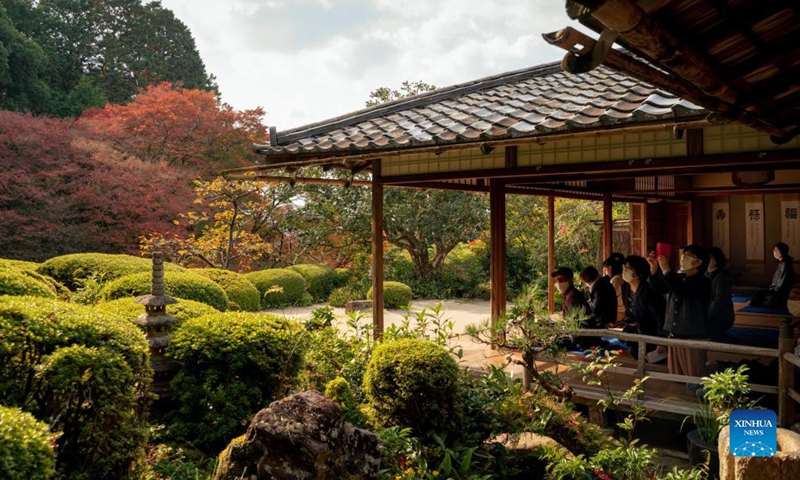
<point x="612" y="269"/>
<point x="572" y="298"/>
<point x="688" y="294"/>
<point x="720" y="310"/>
<point x="602" y="298"/>
<point x="645" y="311"/>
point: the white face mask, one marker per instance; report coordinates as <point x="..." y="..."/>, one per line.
<point x="777" y="254"/>
<point x="687" y="263"/>
<point x="628" y="275"/>
<point x="562" y="287"/>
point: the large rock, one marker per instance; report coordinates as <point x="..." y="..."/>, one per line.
<point x="785" y="465"/>
<point x="301" y="437"/>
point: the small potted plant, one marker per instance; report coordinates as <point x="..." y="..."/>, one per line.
<point x="722" y="393"/>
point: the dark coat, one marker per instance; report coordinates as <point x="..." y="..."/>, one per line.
<point x="720" y="310"/>
<point x="644" y="314"/>
<point x="688" y="298"/>
<point x="573" y="299"/>
<point x="783" y="279"/>
<point x="602" y="303"/>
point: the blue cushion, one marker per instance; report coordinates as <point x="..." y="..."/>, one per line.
<point x="754" y="337"/>
<point x="741" y="298"/>
<point x="750" y="309"/>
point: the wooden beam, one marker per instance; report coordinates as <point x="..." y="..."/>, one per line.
<point x="300" y="180"/>
<point x="497" y="203"/>
<point x="511" y="156"/>
<point x="551" y="252"/>
<point x="608" y="225"/>
<point x="377" y="251"/>
<point x="694" y="142"/>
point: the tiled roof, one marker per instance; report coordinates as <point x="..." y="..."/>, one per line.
<point x="526" y="103"/>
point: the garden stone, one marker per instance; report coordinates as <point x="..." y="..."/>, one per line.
<point x="358" y="305"/>
<point x="785" y="465"/>
<point x="303" y="436"/>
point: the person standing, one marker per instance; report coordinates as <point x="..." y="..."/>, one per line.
<point x="720" y="309"/>
<point x="688" y="297"/>
<point x="645" y="312"/>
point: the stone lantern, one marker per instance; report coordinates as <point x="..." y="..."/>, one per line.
<point x="157" y="322"/>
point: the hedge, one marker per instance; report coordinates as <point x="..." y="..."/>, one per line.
<point x="320" y="279"/>
<point x="177" y="284"/>
<point x="39" y="342"/>
<point x="395" y="295"/>
<point x="293" y="286"/>
<point x="25" y="449"/>
<point x="234" y="364"/>
<point x="128" y="309"/>
<point x="239" y="289"/>
<point x="16" y="282"/>
<point x="413" y="383"/>
<point x="72" y="269"/>
<point x="340" y="296"/>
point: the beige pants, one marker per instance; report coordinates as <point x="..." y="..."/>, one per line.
<point x="686" y="361"/>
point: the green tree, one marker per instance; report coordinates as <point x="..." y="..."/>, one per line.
<point x="407" y="89"/>
<point x="22" y="67"/>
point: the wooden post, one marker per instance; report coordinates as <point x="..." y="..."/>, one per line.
<point x="785" y="374"/>
<point x="608" y="226"/>
<point x="497" y="204"/>
<point x="551" y="252"/>
<point x="377" y="250"/>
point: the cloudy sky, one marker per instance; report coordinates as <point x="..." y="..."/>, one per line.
<point x="308" y="60"/>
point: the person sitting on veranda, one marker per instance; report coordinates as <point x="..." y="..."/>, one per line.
<point x="777" y="294"/>
<point x="602" y="299"/>
<point x="720" y="309"/>
<point x="573" y="302"/>
<point x="612" y="269"/>
<point x="644" y="314"/>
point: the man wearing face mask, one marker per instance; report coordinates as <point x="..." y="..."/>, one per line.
<point x="572" y="297"/>
<point x="688" y="295"/>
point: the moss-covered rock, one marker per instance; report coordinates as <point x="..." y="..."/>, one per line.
<point x="71" y="270"/>
<point x="16" y="282"/>
<point x="25" y="449"/>
<point x="177" y="284"/>
<point x="320" y="279"/>
<point x="239" y="289"/>
<point x="395" y="295"/>
<point x="413" y="383"/>
<point x="278" y="287"/>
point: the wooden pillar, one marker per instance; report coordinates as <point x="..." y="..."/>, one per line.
<point x="551" y="252"/>
<point x="785" y="374"/>
<point x="377" y="250"/>
<point x="497" y="204"/>
<point x="608" y="226"/>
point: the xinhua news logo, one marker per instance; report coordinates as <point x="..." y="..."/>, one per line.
<point x="753" y="433"/>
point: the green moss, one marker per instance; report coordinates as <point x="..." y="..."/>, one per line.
<point x="16" y="282"/>
<point x="234" y="364"/>
<point x="278" y="287"/>
<point x="239" y="289"/>
<point x="25" y="450"/>
<point x="320" y="279"/>
<point x="413" y="383"/>
<point x="128" y="309"/>
<point x="177" y="284"/>
<point x="395" y="295"/>
<point x="340" y="296"/>
<point x="72" y="270"/>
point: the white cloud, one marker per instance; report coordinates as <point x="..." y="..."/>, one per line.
<point x="308" y="60"/>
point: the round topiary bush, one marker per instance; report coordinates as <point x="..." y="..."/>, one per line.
<point x="320" y="279"/>
<point x="16" y="282"/>
<point x="413" y="383"/>
<point x="239" y="289"/>
<point x="25" y="449"/>
<point x="395" y="295"/>
<point x="128" y="309"/>
<point x="340" y="296"/>
<point x="279" y="287"/>
<point x="35" y="331"/>
<point x="178" y="284"/>
<point x="72" y="270"/>
<point x="234" y="364"/>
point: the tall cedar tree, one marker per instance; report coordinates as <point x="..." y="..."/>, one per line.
<point x="61" y="192"/>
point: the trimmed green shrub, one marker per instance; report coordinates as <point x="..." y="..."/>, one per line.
<point x="16" y="282"/>
<point x="35" y="330"/>
<point x="178" y="284"/>
<point x="239" y="289"/>
<point x="279" y="287"/>
<point x="320" y="279"/>
<point x="18" y="264"/>
<point x="72" y="269"/>
<point x="413" y="383"/>
<point x="340" y="392"/>
<point x="92" y="394"/>
<point x="464" y="270"/>
<point x="25" y="450"/>
<point x="340" y="296"/>
<point x="395" y="295"/>
<point x="345" y="276"/>
<point x="128" y="309"/>
<point x="234" y="364"/>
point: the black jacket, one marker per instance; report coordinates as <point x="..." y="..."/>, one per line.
<point x="602" y="303"/>
<point x="645" y="311"/>
<point x="687" y="303"/>
<point x="573" y="299"/>
<point x="720" y="309"/>
<point x="783" y="279"/>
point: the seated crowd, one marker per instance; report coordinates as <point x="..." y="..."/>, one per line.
<point x="646" y="296"/>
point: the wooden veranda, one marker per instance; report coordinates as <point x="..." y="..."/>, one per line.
<point x="694" y="125"/>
